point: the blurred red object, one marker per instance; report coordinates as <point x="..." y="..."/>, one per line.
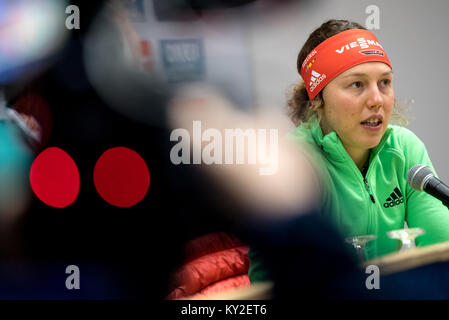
<point x="215" y="262"/>
<point x="147" y="55"/>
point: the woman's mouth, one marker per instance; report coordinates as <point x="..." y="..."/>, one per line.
<point x="372" y="124"/>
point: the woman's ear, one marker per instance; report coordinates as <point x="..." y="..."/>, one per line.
<point x="325" y="128"/>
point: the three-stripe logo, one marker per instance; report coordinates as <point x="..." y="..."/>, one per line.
<point x="315" y="79"/>
<point x="395" y="198"/>
<point x="315" y="75"/>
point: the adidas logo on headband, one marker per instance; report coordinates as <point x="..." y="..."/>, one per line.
<point x="315" y="80"/>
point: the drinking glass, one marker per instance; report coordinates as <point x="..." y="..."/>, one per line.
<point x="407" y="236"/>
<point x="359" y="243"/>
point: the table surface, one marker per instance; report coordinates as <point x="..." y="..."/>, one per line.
<point x="412" y="258"/>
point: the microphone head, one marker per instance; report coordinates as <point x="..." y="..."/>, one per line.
<point x="418" y="175"/>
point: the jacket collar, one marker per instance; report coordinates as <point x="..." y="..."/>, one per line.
<point x="331" y="143"/>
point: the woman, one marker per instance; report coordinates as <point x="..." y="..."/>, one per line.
<point x="343" y="109"/>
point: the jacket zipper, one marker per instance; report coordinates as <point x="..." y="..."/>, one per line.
<point x="369" y="190"/>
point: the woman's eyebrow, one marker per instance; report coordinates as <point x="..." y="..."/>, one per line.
<point x="355" y="74"/>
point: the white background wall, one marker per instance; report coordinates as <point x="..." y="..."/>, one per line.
<point x="414" y="34"/>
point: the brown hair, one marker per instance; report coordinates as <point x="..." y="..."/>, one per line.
<point x="300" y="108"/>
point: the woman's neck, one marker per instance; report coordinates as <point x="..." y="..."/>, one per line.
<point x="360" y="157"/>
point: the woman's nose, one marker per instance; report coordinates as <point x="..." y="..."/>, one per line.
<point x="374" y="97"/>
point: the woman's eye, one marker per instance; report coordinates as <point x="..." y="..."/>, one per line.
<point x="386" y="82"/>
<point x="356" y="84"/>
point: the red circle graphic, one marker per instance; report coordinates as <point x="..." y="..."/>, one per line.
<point x="54" y="178"/>
<point x="121" y="177"/>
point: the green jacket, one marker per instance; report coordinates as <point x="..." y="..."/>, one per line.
<point x="382" y="201"/>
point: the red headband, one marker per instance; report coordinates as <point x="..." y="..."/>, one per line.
<point x="337" y="54"/>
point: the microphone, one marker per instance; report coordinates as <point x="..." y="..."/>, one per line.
<point x="421" y="178"/>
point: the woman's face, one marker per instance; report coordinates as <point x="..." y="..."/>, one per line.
<point x="358" y="105"/>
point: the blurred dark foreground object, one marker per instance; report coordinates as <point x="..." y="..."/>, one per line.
<point x="306" y="258"/>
